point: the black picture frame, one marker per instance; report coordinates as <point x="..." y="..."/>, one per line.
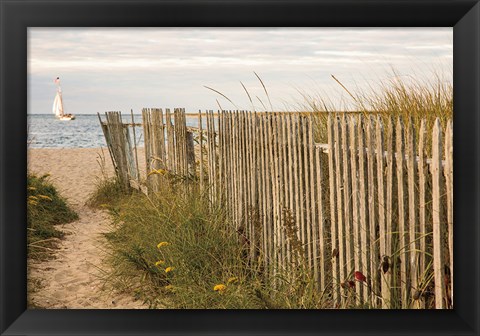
<point x="17" y="16"/>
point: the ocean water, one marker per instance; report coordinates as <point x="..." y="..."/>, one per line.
<point x="45" y="131"/>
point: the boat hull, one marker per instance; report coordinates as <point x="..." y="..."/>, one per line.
<point x="65" y="118"/>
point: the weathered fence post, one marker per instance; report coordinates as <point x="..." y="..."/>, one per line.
<point x="412" y="211"/>
<point x="402" y="226"/>
<point x="200" y="143"/>
<point x="364" y="228"/>
<point x="438" y="218"/>
<point x="424" y="259"/>
<point x="118" y="143"/>
<point x="449" y="190"/>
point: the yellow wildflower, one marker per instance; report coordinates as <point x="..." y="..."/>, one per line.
<point x="45" y="197"/>
<point x="169" y="287"/>
<point x="232" y="280"/>
<point x="157" y="171"/>
<point x="160" y="262"/>
<point x="169" y="269"/>
<point x="162" y="244"/>
<point x="219" y="288"/>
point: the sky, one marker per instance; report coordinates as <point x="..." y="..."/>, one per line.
<point x="118" y="69"/>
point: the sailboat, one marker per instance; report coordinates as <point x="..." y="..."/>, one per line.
<point x="58" y="104"/>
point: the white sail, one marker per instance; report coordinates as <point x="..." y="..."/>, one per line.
<point x="58" y="108"/>
<point x="58" y="104"/>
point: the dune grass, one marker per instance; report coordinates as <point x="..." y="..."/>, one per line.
<point x="174" y="250"/>
<point x="45" y="209"/>
<point x="411" y="100"/>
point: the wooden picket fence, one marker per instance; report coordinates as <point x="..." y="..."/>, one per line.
<point x="168" y="147"/>
<point x="376" y="199"/>
<point x="391" y="209"/>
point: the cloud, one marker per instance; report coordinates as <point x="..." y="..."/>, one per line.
<point x="128" y="67"/>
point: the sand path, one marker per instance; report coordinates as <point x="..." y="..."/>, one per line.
<point x="73" y="279"/>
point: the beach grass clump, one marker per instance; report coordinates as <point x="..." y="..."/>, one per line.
<point x="108" y="191"/>
<point x="411" y="99"/>
<point x="45" y="209"/>
<point x="175" y="249"/>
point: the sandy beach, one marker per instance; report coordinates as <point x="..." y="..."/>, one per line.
<point x="73" y="278"/>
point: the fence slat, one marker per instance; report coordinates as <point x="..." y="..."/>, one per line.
<point x="313" y="209"/>
<point x="287" y="191"/>
<point x="438" y="219"/>
<point x="296" y="170"/>
<point x="253" y="184"/>
<point x="402" y="229"/>
<point x="200" y="144"/>
<point x="357" y="249"/>
<point x="147" y="141"/>
<point x="176" y="131"/>
<point x="384" y="254"/>
<point x="161" y="137"/>
<point x="388" y="261"/>
<point x="333" y="208"/>
<point x="412" y="209"/>
<point x="231" y="159"/>
<point x="340" y="190"/>
<point x="170" y="142"/>
<point x="307" y="192"/>
<point x="424" y="259"/>
<point x="372" y="207"/>
<point x="291" y="150"/>
<point x="263" y="193"/>
<point x="220" y="158"/>
<point x="364" y="228"/>
<point x="276" y="194"/>
<point x="236" y="160"/>
<point x="213" y="154"/>
<point x="282" y="202"/>
<point x="449" y="190"/>
<point x="269" y="174"/>
<point x="322" y="235"/>
<point x="185" y="140"/>
<point x="301" y="186"/>
<point x="135" y="143"/>
<point x="243" y="169"/>
<point x="347" y="199"/>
